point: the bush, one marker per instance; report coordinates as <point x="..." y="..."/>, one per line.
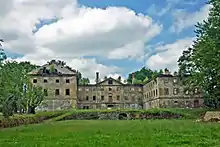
<point x="27" y="119"/>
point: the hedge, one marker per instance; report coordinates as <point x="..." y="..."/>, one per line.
<point x="18" y="120"/>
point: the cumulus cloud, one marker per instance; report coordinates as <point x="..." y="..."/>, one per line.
<point x="183" y="19"/>
<point x="168" y="54"/>
<point x="113" y="33"/>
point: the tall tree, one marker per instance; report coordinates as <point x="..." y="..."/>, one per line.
<point x="143" y="74"/>
<point x="202" y="60"/>
<point x="13" y="77"/>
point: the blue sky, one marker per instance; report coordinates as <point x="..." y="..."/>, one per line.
<point x="163" y="12"/>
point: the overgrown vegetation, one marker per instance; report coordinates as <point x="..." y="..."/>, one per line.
<point x="18" y="120"/>
<point x="136" y="133"/>
<point x="201" y="61"/>
<point x="17" y="94"/>
<point x="143" y="75"/>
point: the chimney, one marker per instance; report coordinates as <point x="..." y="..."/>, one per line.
<point x="97" y="77"/>
<point x="167" y="72"/>
<point x="132" y="78"/>
<point x="119" y="78"/>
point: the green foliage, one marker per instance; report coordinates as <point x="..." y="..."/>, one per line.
<point x="13" y="77"/>
<point x="18" y="120"/>
<point x="201" y="61"/>
<point x="136" y="81"/>
<point x="84" y="81"/>
<point x="143" y="74"/>
<point x="81" y="80"/>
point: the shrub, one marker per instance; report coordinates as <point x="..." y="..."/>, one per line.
<point x="27" y="119"/>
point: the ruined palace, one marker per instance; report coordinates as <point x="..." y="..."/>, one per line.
<point x="62" y="91"/>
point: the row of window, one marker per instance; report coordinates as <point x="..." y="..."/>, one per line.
<point x="57" y="92"/>
<point x="102" y="89"/>
<point x="166" y="81"/>
<point x="94" y="98"/>
<point x="165" y="91"/>
<point x="46" y="81"/>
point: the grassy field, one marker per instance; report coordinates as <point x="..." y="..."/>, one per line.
<point x="96" y="133"/>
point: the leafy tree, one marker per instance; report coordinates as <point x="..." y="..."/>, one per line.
<point x="13" y="76"/>
<point x="136" y="81"/>
<point x="33" y="97"/>
<point x="201" y="61"/>
<point x="84" y="81"/>
<point x="144" y="73"/>
<point x="81" y="80"/>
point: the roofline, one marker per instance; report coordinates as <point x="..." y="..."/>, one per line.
<point x="108" y="79"/>
<point x="55" y="75"/>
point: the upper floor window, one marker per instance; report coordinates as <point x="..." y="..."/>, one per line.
<point x="67" y="91"/>
<point x="166" y="80"/>
<point x="102" y="97"/>
<point x="175" y="91"/>
<point x="45" y="80"/>
<point x="110" y="89"/>
<point x="118" y="97"/>
<point x="87" y="98"/>
<point x="94" y="98"/>
<point x="110" y="81"/>
<point x="67" y="81"/>
<point x="175" y="81"/>
<point x="57" y="92"/>
<point x="34" y="80"/>
<point x="166" y="91"/>
<point x="57" y="80"/>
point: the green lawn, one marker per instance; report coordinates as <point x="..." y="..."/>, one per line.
<point x="132" y="133"/>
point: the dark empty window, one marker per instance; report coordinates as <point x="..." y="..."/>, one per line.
<point x="85" y="107"/>
<point x="87" y="98"/>
<point x="102" y="97"/>
<point x="34" y="80"/>
<point x="126" y="98"/>
<point x="45" y="92"/>
<point x="118" y="97"/>
<point x="110" y="89"/>
<point x="110" y="81"/>
<point x="94" y="98"/>
<point x="67" y="81"/>
<point x="57" y="92"/>
<point x="45" y="80"/>
<point x="67" y="91"/>
<point x="57" y="80"/>
<point x="166" y="91"/>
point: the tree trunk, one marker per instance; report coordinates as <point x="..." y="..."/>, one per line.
<point x="31" y="110"/>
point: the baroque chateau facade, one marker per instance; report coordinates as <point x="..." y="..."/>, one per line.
<point x="62" y="91"/>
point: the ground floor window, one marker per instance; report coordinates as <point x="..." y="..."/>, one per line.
<point x="85" y="107"/>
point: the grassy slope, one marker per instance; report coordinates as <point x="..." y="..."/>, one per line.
<point x="145" y="133"/>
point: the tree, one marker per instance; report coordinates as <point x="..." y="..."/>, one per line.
<point x="201" y="61"/>
<point x="84" y="81"/>
<point x="13" y="77"/>
<point x="143" y="73"/>
<point x="136" y="81"/>
<point x="33" y="97"/>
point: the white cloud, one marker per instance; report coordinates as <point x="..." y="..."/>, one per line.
<point x="114" y="32"/>
<point x="185" y="19"/>
<point x="168" y="54"/>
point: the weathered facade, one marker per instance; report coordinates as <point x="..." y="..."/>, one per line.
<point x="167" y="91"/>
<point x="59" y="84"/>
<point x="62" y="92"/>
<point x="110" y="93"/>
